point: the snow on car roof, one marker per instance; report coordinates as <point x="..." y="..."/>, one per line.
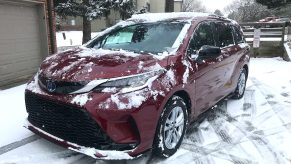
<point x="154" y="17"/>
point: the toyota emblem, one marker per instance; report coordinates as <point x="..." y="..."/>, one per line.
<point x="51" y="86"/>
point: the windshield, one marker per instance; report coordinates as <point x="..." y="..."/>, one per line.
<point x="147" y="37"/>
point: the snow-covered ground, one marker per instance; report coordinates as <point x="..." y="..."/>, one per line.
<point x="255" y="129"/>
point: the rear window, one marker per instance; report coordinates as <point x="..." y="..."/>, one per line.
<point x="238" y="35"/>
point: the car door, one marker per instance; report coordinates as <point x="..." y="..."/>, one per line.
<point x="225" y="63"/>
<point x="241" y="48"/>
<point x="205" y="73"/>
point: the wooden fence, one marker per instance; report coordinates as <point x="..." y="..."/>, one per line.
<point x="271" y="37"/>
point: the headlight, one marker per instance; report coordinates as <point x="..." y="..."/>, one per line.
<point x="130" y="81"/>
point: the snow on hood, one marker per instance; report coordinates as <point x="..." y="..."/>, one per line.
<point x="81" y="99"/>
<point x="84" y="64"/>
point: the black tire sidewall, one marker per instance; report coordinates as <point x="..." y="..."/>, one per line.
<point x="159" y="142"/>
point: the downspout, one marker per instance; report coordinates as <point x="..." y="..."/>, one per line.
<point x="51" y="20"/>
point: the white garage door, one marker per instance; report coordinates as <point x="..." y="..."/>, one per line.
<point x="21" y="45"/>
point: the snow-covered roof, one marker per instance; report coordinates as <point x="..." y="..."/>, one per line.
<point x="154" y="17"/>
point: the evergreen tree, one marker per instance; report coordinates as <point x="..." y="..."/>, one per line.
<point x="125" y="8"/>
<point x="274" y="3"/>
<point x="92" y="9"/>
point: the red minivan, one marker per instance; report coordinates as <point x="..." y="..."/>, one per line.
<point x="137" y="85"/>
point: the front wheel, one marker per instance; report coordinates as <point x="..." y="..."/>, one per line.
<point x="241" y="85"/>
<point x="171" y="127"/>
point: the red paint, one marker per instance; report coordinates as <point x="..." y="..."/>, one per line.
<point x="208" y="83"/>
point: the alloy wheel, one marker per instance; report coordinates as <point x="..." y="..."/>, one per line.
<point x="174" y="127"/>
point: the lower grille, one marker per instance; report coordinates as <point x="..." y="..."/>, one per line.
<point x="68" y="123"/>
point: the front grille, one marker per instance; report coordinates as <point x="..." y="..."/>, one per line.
<point x="62" y="87"/>
<point x="68" y="123"/>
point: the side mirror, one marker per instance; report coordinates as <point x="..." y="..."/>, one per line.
<point x="209" y="51"/>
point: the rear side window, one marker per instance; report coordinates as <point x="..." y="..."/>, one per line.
<point x="238" y="35"/>
<point x="224" y="35"/>
<point x="203" y="35"/>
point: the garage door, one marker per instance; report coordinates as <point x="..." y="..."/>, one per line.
<point x="21" y="43"/>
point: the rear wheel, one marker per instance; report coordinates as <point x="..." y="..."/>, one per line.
<point x="171" y="127"/>
<point x="241" y="85"/>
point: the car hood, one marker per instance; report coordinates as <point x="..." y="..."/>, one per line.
<point x="83" y="64"/>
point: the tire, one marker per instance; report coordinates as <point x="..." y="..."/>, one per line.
<point x="241" y="85"/>
<point x="168" y="129"/>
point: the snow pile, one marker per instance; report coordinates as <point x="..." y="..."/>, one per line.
<point x="154" y="17"/>
<point x="91" y="52"/>
<point x="288" y="50"/>
<point x="162" y="55"/>
<point x="65" y="69"/>
<point x="155" y="67"/>
<point x="110" y="155"/>
<point x="171" y="76"/>
<point x="135" y="99"/>
<point x="109" y="90"/>
<point x="34" y="87"/>
<point x="186" y="74"/>
<point x="125" y="101"/>
<point x="81" y="99"/>
<point x="140" y="65"/>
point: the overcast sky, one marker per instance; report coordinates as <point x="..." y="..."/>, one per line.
<point x="212" y="5"/>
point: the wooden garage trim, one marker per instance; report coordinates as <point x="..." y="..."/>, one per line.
<point x="44" y="43"/>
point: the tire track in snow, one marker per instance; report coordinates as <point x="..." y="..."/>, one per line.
<point x="230" y="139"/>
<point x="84" y="159"/>
<point x="247" y="130"/>
<point x="66" y="156"/>
<point x="213" y="116"/>
<point x="272" y="100"/>
<point x="17" y="144"/>
<point x="250" y="131"/>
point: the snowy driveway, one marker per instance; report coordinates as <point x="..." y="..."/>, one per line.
<point x="255" y="129"/>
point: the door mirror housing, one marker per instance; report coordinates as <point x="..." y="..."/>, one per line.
<point x="209" y="51"/>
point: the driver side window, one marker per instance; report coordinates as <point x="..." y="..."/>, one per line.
<point x="203" y="35"/>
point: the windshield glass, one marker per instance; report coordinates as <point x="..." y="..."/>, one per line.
<point x="147" y="37"/>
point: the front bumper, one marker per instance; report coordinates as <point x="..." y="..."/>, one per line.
<point x="92" y="152"/>
<point x="134" y="125"/>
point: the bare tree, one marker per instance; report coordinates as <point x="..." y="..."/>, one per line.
<point x="218" y="12"/>
<point x="193" y="6"/>
<point x="247" y="11"/>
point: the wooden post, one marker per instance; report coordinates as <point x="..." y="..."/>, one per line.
<point x="256" y="41"/>
<point x="289" y="32"/>
<point x="283" y="34"/>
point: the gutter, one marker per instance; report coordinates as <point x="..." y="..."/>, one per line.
<point x="51" y="24"/>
